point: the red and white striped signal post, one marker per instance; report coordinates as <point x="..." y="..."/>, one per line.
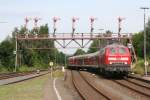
<point x="27" y="19"/>
<point x="36" y="19"/>
<point x="55" y="19"/>
<point x="92" y="19"/>
<point x="74" y="19"/>
<point x="119" y="25"/>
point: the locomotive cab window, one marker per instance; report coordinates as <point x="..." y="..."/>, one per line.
<point x="102" y="51"/>
<point x="112" y="51"/>
<point x="122" y="51"/>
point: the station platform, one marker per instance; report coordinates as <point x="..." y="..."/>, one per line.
<point x="55" y="89"/>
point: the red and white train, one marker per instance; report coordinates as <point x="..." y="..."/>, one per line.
<point x="114" y="58"/>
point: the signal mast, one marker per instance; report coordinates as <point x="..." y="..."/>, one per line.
<point x="36" y="19"/>
<point x="92" y="19"/>
<point x="27" y="19"/>
<point x="55" y="19"/>
<point x="119" y="25"/>
<point x="74" y="19"/>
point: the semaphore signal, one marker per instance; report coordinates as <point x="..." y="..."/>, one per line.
<point x="74" y="19"/>
<point x="92" y="19"/>
<point x="36" y="19"/>
<point x="120" y="19"/>
<point x="27" y="19"/>
<point x="55" y="19"/>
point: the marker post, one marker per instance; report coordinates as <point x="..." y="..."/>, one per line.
<point x="51" y="66"/>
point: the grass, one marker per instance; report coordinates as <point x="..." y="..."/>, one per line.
<point x="22" y="68"/>
<point x="27" y="90"/>
<point x="139" y="67"/>
<point x="58" y="73"/>
<point x="3" y="70"/>
<point x="25" y="68"/>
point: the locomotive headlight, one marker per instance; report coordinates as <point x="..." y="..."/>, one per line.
<point x="110" y="62"/>
<point x="125" y="62"/>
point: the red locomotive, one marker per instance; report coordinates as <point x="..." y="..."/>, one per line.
<point x="114" y="58"/>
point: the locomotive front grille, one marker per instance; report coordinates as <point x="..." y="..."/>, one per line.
<point x="118" y="63"/>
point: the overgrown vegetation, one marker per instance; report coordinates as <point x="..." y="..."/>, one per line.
<point x="138" y="42"/>
<point x="58" y="73"/>
<point x="139" y="67"/>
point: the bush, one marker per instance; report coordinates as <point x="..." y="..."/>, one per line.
<point x="40" y="65"/>
<point x="140" y="68"/>
<point x="25" y="68"/>
<point x="3" y="69"/>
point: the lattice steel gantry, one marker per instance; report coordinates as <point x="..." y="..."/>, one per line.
<point x="69" y="37"/>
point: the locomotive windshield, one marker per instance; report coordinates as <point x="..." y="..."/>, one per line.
<point x="118" y="50"/>
<point x="122" y="50"/>
<point x="113" y="51"/>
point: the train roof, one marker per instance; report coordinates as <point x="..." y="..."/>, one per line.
<point x="85" y="55"/>
<point x="115" y="45"/>
<point x="96" y="53"/>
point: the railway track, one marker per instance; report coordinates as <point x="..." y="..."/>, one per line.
<point x="17" y="74"/>
<point x="12" y="75"/>
<point x="141" y="83"/>
<point x="137" y="86"/>
<point x="90" y="89"/>
<point x="138" y="78"/>
<point x="85" y="89"/>
<point x="10" y="78"/>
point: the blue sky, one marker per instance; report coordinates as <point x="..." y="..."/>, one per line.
<point x="107" y="11"/>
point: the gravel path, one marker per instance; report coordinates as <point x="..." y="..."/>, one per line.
<point x="62" y="87"/>
<point x="49" y="93"/>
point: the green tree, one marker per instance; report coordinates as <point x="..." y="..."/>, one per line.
<point x="29" y="57"/>
<point x="97" y="44"/>
<point x="79" y="52"/>
<point x="94" y="46"/>
<point x="108" y="33"/>
<point x="138" y="42"/>
<point x="6" y="54"/>
<point x="148" y="38"/>
<point x="44" y="29"/>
